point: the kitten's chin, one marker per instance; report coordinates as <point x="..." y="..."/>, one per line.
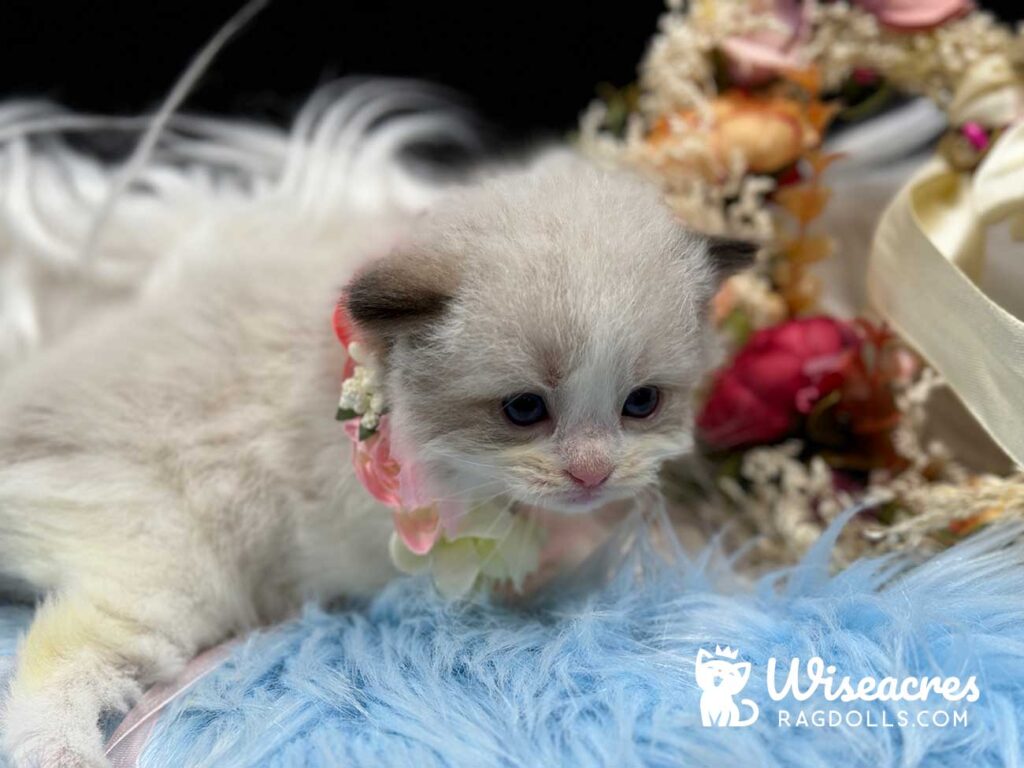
<point x="581" y="501"/>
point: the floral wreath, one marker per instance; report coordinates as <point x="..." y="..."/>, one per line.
<point x="811" y="412"/>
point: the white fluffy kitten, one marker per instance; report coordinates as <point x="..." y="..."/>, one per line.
<point x="173" y="474"/>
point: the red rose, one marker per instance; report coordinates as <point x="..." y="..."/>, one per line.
<point x="780" y="373"/>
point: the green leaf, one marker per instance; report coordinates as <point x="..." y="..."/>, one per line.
<point x="823" y="425"/>
<point x="887" y="513"/>
<point x="345" y="414"/>
<point x="365" y="433"/>
<point x="863" y="102"/>
<point x="738" y="326"/>
<point x="456" y="566"/>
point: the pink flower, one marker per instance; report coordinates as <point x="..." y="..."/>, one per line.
<point x="915" y="14"/>
<point x="375" y="467"/>
<point x="400" y="485"/>
<point x="756" y="57"/>
<point x="780" y="373"/>
<point x="418" y="528"/>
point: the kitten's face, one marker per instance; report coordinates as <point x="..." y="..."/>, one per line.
<point x="543" y="336"/>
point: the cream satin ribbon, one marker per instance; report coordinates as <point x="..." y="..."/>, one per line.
<point x="928" y="251"/>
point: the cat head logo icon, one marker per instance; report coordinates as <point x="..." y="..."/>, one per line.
<point x="720" y="678"/>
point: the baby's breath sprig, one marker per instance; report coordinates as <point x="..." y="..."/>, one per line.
<point x="360" y="393"/>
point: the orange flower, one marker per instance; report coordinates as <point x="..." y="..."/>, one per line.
<point x="969" y="524"/>
<point x="770" y="132"/>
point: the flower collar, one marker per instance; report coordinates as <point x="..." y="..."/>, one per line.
<point x="463" y="544"/>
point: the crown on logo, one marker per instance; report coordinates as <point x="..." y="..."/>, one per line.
<point x="727" y="652"/>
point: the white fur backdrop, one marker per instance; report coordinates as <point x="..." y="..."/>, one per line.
<point x="60" y="263"/>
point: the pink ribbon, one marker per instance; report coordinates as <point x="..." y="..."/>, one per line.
<point x="131" y="737"/>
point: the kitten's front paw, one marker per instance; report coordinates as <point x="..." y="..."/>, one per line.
<point x="38" y="734"/>
<point x="58" y="757"/>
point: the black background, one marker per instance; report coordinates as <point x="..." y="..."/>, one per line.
<point x="527" y="66"/>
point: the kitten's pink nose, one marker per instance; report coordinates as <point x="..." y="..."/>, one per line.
<point x="590" y="475"/>
<point x="589" y="457"/>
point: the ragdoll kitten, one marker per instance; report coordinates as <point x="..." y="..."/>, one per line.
<point x="173" y="473"/>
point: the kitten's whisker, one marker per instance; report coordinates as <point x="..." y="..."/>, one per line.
<point x="461" y="460"/>
<point x="507" y="506"/>
<point x="446" y="452"/>
<point x="507" y="532"/>
<point x="462" y="494"/>
<point x="459" y="496"/>
<point x="468" y="496"/>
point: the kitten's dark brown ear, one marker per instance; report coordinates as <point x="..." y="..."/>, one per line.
<point x="729" y="256"/>
<point x="398" y="293"/>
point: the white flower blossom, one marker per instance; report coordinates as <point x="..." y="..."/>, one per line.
<point x="360" y="392"/>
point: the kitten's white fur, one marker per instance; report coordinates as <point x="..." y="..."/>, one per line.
<point x="172" y="474"/>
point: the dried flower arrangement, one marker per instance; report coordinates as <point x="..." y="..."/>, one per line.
<point x="811" y="413"/>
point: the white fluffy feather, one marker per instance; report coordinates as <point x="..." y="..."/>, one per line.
<point x="200" y="169"/>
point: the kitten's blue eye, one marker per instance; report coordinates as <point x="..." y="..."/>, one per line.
<point x="641" y="403"/>
<point x="525" y="409"/>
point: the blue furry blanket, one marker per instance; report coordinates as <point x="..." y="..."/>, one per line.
<point x="607" y="678"/>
